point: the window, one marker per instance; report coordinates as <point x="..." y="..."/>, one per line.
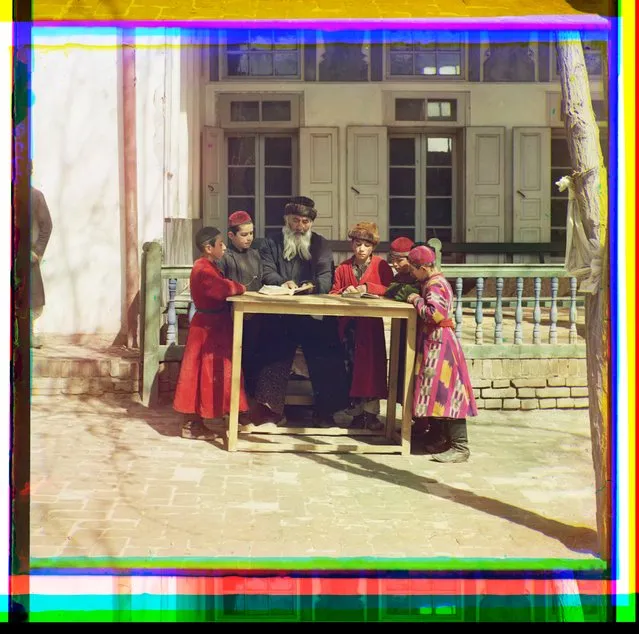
<point x="424" y="54"/>
<point x="263" y="110"/>
<point x="422" y="183"/>
<point x="273" y="53"/>
<point x="262" y="177"/>
<point x="560" y="165"/>
<point x="433" y="109"/>
<point x="260" y="600"/>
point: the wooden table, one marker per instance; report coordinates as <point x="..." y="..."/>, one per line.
<point x="329" y="305"/>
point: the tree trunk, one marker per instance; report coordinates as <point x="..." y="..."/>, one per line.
<point x="591" y="189"/>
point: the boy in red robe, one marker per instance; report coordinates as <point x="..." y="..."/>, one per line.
<point x="204" y="384"/>
<point x="363" y="337"/>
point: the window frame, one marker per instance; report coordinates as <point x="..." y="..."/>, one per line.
<point x="420" y="138"/>
<point x="463" y="48"/>
<point x="554" y="109"/>
<point x="259" y="212"/>
<point x="223" y="61"/>
<point x="223" y="108"/>
<point x="463" y="108"/>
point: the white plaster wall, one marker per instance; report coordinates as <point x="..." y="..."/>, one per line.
<point x="75" y="152"/>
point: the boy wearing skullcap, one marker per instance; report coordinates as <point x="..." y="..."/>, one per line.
<point x="242" y="263"/>
<point x="363" y="337"/>
<point x="443" y="393"/>
<point x="204" y="385"/>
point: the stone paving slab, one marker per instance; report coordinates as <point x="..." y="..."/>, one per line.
<point x="113" y="478"/>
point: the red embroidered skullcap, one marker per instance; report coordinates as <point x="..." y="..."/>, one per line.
<point x="401" y="247"/>
<point x="238" y="218"/>
<point x="419" y="256"/>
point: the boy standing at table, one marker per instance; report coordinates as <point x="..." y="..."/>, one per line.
<point x="363" y="337"/>
<point x="204" y="384"/>
<point x="243" y="264"/>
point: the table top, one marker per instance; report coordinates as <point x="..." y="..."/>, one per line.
<point x="322" y="305"/>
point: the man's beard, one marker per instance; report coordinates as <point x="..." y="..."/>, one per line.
<point x="296" y="244"/>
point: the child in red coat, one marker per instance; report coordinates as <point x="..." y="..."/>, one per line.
<point x="204" y="384"/>
<point x="363" y="337"/>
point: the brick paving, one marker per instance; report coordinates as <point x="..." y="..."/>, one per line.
<point x="112" y="478"/>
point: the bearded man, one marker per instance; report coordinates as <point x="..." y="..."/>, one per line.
<point x="296" y="256"/>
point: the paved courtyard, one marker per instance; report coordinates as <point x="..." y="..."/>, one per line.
<point x="112" y="478"/>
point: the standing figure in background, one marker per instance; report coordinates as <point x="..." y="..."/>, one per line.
<point x="243" y="264"/>
<point x="204" y="384"/>
<point x="41" y="228"/>
<point x="443" y="391"/>
<point x="363" y="337"/>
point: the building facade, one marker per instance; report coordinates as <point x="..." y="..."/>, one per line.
<point x="453" y="135"/>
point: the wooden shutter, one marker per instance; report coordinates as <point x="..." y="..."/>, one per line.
<point x="485" y="188"/>
<point x="531" y="187"/>
<point x="319" y="177"/>
<point x="367" y="177"/>
<point x="214" y="201"/>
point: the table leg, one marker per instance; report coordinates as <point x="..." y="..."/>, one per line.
<point x="391" y="402"/>
<point x="236" y="373"/>
<point x="409" y="372"/>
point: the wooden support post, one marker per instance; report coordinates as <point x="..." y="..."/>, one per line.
<point x="150" y="350"/>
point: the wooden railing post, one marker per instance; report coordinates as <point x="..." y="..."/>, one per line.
<point x="459" y="285"/>
<point x="171" y="315"/>
<point x="537" y="312"/>
<point x="499" y="287"/>
<point x="518" y="338"/>
<point x="479" y="314"/>
<point x="150" y="348"/>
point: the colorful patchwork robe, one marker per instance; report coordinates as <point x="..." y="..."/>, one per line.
<point x="204" y="384"/>
<point x="442" y="384"/>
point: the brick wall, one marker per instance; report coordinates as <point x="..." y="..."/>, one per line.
<point x="529" y="383"/>
<point x="94" y="377"/>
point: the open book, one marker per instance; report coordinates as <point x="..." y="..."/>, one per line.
<point x="269" y="289"/>
<point x="362" y="295"/>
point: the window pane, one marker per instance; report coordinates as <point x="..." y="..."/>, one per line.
<point x="241" y="151"/>
<point x="401" y="232"/>
<point x="449" y="63"/>
<point x="409" y="109"/>
<point x="282" y="604"/>
<point x="448" y="40"/>
<point x="445" y="235"/>
<point x="276" y="111"/>
<point x="237" y="64"/>
<point x="402" y="212"/>
<point x="558" y="235"/>
<point x="402" y="151"/>
<point x="425" y="64"/>
<point x="402" y="181"/>
<point x="245" y="110"/>
<point x="233" y="604"/>
<point x="424" y="39"/>
<point x="439" y="151"/>
<point x="261" y="40"/>
<point x="272" y="232"/>
<point x="274" y="211"/>
<point x="237" y="40"/>
<point x="278" y="181"/>
<point x="401" y="64"/>
<point x="400" y="40"/>
<point x="442" y="110"/>
<point x="558" y="213"/>
<point x="241" y="181"/>
<point x="242" y="204"/>
<point x="439" y="211"/>
<point x="285" y="39"/>
<point x="555" y="175"/>
<point x="285" y="64"/>
<point x="560" y="157"/>
<point x="278" y="150"/>
<point x="261" y="64"/>
<point x="439" y="181"/>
